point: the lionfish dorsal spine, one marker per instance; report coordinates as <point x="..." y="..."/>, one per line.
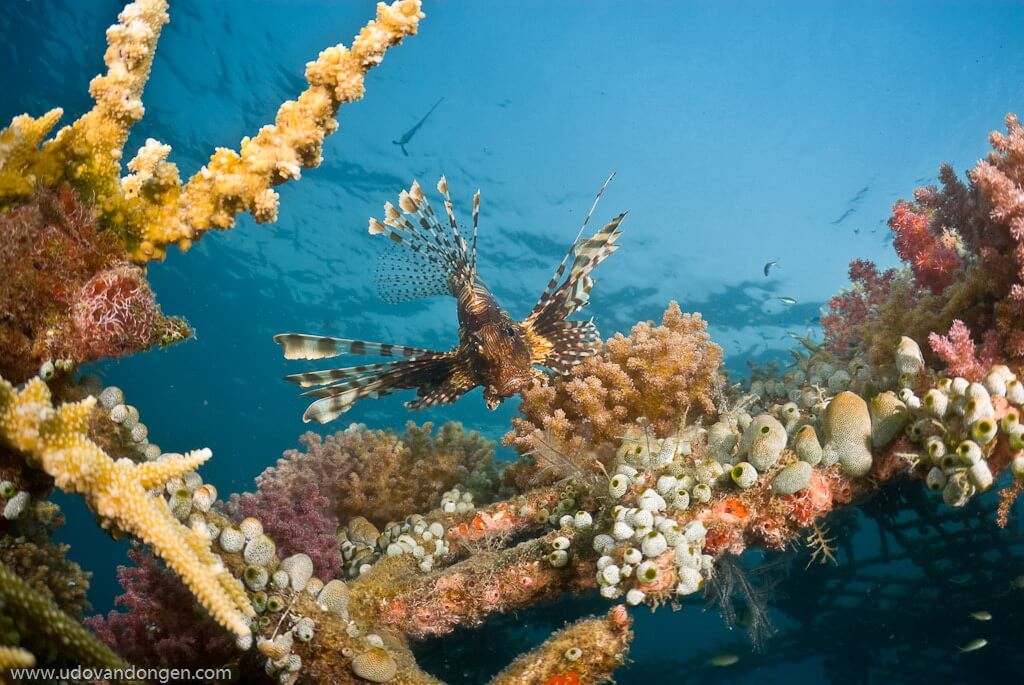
<point x="435" y="259"/>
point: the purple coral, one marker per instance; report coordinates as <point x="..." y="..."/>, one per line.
<point x="162" y="625"/>
<point x="298" y="521"/>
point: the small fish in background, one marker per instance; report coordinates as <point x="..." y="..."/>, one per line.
<point x="786" y="300"/>
<point x="723" y="659"/>
<point x="974" y="645"/>
<point x="494" y="350"/>
<point x="981" y="616"/>
<point x="407" y="136"/>
<point x="769" y="265"/>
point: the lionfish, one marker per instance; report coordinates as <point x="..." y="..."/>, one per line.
<point x="494" y="351"/>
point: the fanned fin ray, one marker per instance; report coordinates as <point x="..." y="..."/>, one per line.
<point x="425" y="375"/>
<point x="437" y="256"/>
<point x="556" y="343"/>
<point x="304" y="346"/>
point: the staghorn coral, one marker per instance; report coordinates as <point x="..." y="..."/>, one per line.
<point x="150" y="208"/>
<point x="656" y="374"/>
<point x="117" y="491"/>
<point x="67" y="292"/>
<point x="378" y="474"/>
<point x="160" y="624"/>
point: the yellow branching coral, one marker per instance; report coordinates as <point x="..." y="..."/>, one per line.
<point x="38" y="617"/>
<point x="16" y="657"/>
<point x="117" y="491"/>
<point x="150" y="208"/>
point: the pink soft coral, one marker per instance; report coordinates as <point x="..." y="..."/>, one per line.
<point x="931" y="252"/>
<point x="961" y="356"/>
<point x="380" y="475"/>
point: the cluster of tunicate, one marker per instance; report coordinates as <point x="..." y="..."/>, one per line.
<point x="362" y="544"/>
<point x="564" y="514"/>
<point x="645" y="550"/>
<point x="816" y="410"/>
<point x="358" y="544"/>
<point x="455" y="501"/>
<point x="189" y="498"/>
<point x="423" y="539"/>
<point x="111" y="400"/>
<point x="955" y="424"/>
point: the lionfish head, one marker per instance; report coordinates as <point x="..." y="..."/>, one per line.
<point x="504" y="359"/>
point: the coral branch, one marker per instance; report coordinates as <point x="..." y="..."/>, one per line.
<point x="117" y="491"/>
<point x="150" y="208"/>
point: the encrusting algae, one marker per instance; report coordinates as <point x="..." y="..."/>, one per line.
<point x="642" y="469"/>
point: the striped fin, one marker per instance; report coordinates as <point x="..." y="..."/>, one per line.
<point x="566" y="344"/>
<point x="330" y="376"/>
<point x="564" y="298"/>
<point x="437" y="254"/>
<point x="303" y="346"/>
<point x="456" y="384"/>
<point x="424" y="374"/>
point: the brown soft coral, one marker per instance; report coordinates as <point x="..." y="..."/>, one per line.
<point x="658" y="374"/>
<point x="384" y="476"/>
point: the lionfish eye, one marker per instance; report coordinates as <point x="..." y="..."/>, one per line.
<point x="510" y="331"/>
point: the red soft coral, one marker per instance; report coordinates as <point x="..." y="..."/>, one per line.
<point x="854" y="308"/>
<point x="930" y="251"/>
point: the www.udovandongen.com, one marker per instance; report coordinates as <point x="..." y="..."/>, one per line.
<point x="118" y="675"/>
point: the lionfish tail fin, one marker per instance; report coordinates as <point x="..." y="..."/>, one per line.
<point x="428" y="258"/>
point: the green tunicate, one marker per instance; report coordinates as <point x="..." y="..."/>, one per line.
<point x="792" y="479"/>
<point x="888" y="417"/>
<point x="275" y="603"/>
<point x="763" y="441"/>
<point x="806" y="445"/>
<point x="744" y="474"/>
<point x="848" y="433"/>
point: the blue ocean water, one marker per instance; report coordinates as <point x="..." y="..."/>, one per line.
<point x="741" y="132"/>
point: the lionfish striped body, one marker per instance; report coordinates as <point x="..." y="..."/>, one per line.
<point x="494" y="351"/>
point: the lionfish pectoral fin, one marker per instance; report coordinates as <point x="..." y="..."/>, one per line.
<point x="454" y="383"/>
<point x="304" y="346"/>
<point x="563" y="345"/>
<point x="556" y="343"/>
<point x="383" y="379"/>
